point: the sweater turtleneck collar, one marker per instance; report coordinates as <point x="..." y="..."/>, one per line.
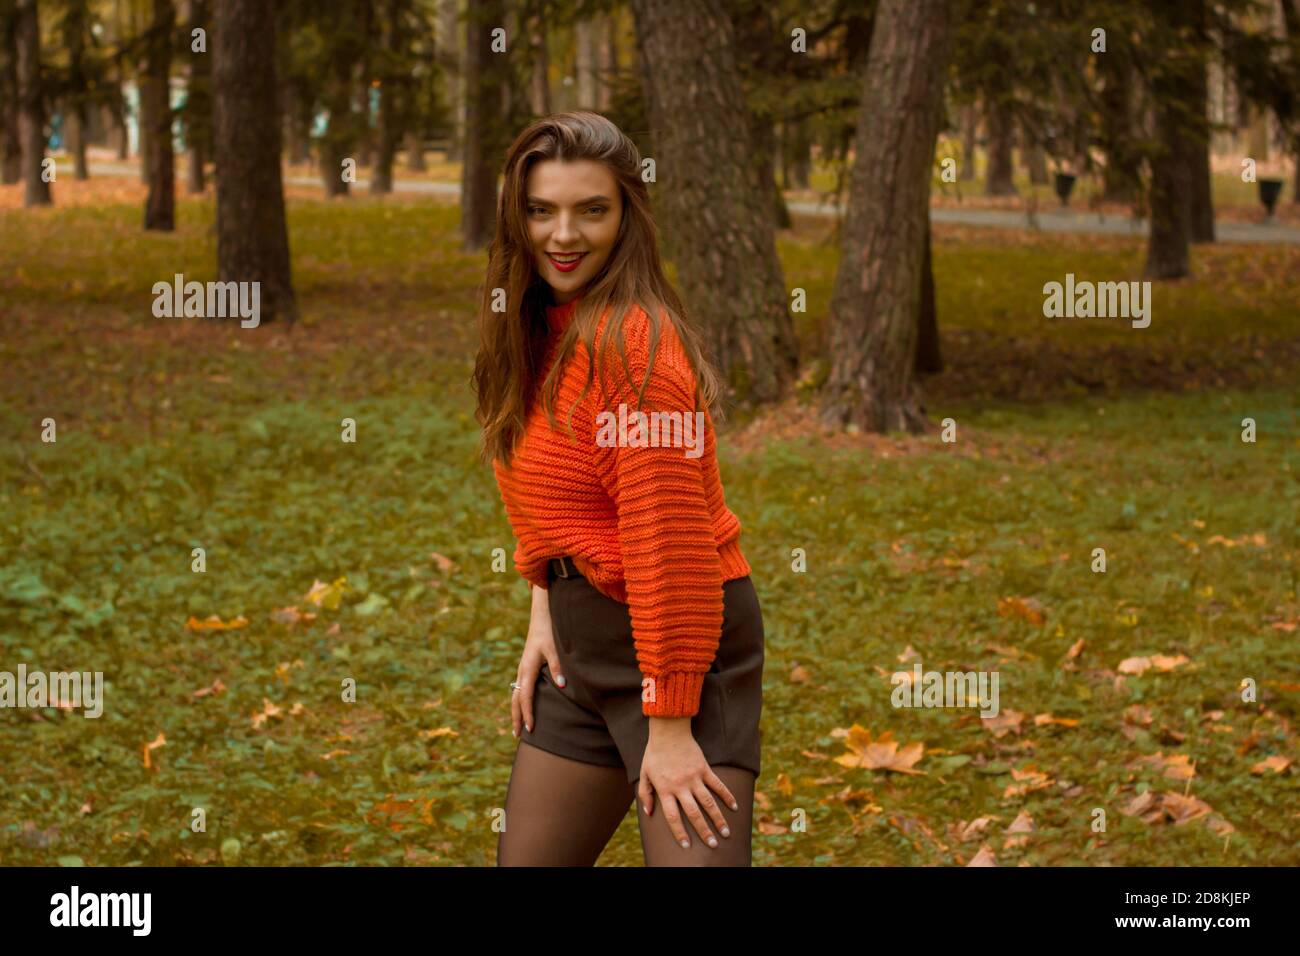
<point x="558" y="317"/>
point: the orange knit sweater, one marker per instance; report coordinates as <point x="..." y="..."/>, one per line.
<point x="647" y="526"/>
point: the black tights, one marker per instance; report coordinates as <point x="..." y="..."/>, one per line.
<point x="562" y="812"/>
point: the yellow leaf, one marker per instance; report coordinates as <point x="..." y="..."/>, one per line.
<point x="328" y="596"/>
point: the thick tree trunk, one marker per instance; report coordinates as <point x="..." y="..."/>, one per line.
<point x="1168" y="256"/>
<point x="252" y="240"/>
<point x="1201" y="211"/>
<point x="1291" y="20"/>
<point x="160" y="206"/>
<point x="999" y="181"/>
<point x="75" y="138"/>
<point x="876" y="304"/>
<point x="393" y="97"/>
<point x="1122" y="173"/>
<point x="74" y="27"/>
<point x="485" y="80"/>
<point x="11" y="145"/>
<point x="31" y="109"/>
<point x="718" y="224"/>
<point x="928" y="358"/>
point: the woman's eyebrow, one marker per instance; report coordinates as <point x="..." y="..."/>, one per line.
<point x="581" y="202"/>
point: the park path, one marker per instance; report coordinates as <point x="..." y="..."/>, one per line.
<point x="1052" y="220"/>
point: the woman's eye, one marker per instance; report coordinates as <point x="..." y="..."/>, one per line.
<point x="535" y="210"/>
<point x="596" y="209"/>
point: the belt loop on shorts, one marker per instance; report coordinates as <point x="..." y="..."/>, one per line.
<point x="560" y="568"/>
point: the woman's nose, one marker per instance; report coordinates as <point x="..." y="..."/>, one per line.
<point x="565" y="230"/>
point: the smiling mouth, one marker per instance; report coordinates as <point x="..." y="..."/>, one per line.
<point x="567" y="258"/>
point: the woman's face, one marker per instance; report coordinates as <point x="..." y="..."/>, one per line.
<point x="572" y="207"/>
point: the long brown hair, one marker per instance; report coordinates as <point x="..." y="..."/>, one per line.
<point x="512" y="344"/>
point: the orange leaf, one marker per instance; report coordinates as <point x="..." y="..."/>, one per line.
<point x="1276" y="763"/>
<point x="880" y="754"/>
<point x="1026" y="608"/>
<point x="214" y="623"/>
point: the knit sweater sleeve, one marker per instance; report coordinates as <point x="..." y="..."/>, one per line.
<point x="671" y="565"/>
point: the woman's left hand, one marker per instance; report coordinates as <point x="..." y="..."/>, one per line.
<point x="675" y="768"/>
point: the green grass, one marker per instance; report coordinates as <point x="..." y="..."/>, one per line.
<point x="176" y="434"/>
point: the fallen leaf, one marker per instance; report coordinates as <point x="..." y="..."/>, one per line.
<point x="1277" y="763"/>
<point x="328" y="596"/>
<point x="216" y="687"/>
<point x="268" y="710"/>
<point x="1006" y="721"/>
<point x="1023" y="823"/>
<point x="984" y="857"/>
<point x="880" y="754"/>
<point x="438" y="732"/>
<point x="1027" y="608"/>
<point x="1030" y="780"/>
<point x="214" y="623"/>
<point x="1042" y="720"/>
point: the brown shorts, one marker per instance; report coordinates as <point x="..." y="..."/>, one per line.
<point x="596" y="717"/>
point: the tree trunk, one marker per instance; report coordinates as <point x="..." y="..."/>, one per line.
<point x="876" y="304"/>
<point x="485" y="75"/>
<point x="1033" y="156"/>
<point x="585" y="35"/>
<point x="1122" y="174"/>
<point x="31" y="110"/>
<point x="160" y="207"/>
<point x="607" y="59"/>
<point x="763" y="137"/>
<point x="121" y="135"/>
<point x="1200" y="199"/>
<point x="1171" y="183"/>
<point x="198" y="102"/>
<point x="999" y="181"/>
<point x="453" y="70"/>
<point x="393" y="98"/>
<point x="541" y="86"/>
<point x="74" y="27"/>
<point x="252" y="240"/>
<point x="414" y="152"/>
<point x="298" y="113"/>
<point x="796" y="146"/>
<point x="718" y="224"/>
<point x="1291" y="20"/>
<point x="11" y="144"/>
<point x="969" y="140"/>
<point x="337" y="144"/>
<point x="928" y="358"/>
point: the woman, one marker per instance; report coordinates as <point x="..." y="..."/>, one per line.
<point x="642" y="671"/>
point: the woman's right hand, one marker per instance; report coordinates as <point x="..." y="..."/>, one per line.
<point x="539" y="648"/>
